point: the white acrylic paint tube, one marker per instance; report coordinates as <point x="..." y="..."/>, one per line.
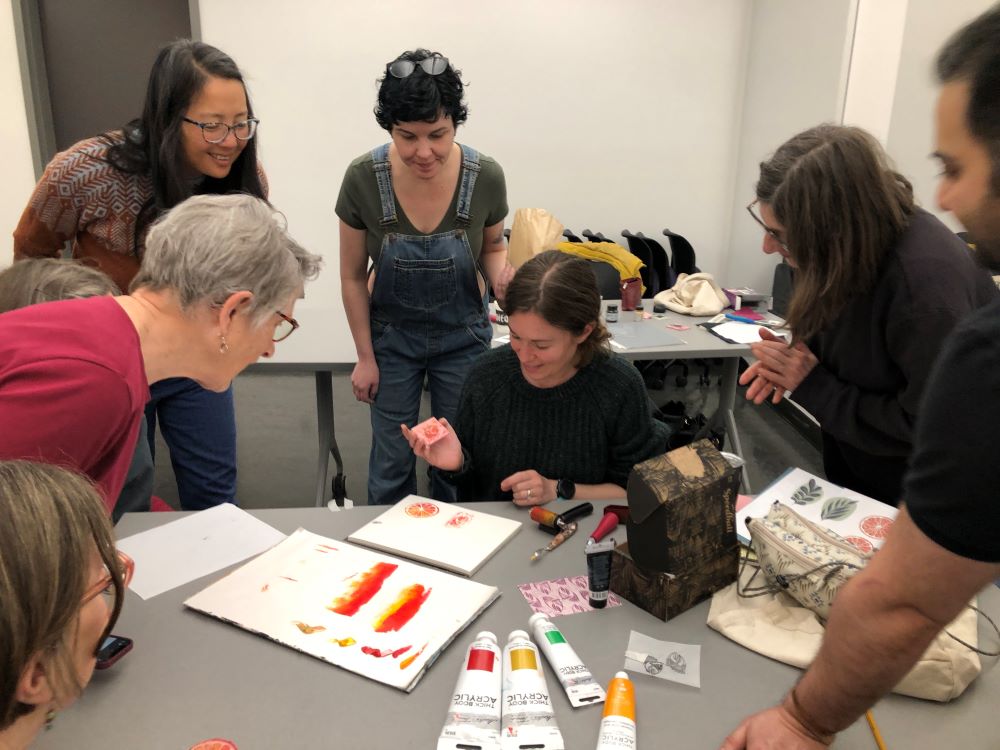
<point x="580" y="686"/>
<point x="528" y="720"/>
<point x="618" y="724"/>
<point x="473" y="721"/>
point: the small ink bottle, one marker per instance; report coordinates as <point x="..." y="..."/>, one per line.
<point x="611" y="316"/>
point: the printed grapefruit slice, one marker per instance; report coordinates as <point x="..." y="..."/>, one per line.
<point x="421" y="510"/>
<point x="875" y="527"/>
<point x="431" y="430"/>
<point x="863" y="545"/>
<point x="215" y="744"/>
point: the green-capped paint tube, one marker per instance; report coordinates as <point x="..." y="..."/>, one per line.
<point x="527" y="720"/>
<point x="580" y="686"/>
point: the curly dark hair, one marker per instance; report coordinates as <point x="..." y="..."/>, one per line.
<point x="420" y="97"/>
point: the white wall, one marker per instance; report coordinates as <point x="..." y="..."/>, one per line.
<point x="796" y="74"/>
<point x="18" y="171"/>
<point x="610" y="115"/>
<point x="929" y="23"/>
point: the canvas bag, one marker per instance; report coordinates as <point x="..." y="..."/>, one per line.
<point x="807" y="564"/>
<point x="694" y="294"/>
<point x="533" y="230"/>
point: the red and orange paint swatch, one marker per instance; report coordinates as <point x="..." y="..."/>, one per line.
<point x="401" y="611"/>
<point x="361" y="590"/>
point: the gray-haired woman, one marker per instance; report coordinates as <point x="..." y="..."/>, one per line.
<point x="217" y="288"/>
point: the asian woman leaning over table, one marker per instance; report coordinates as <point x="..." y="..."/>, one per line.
<point x="196" y="135"/>
<point x="62" y="585"/>
<point x="554" y="414"/>
<point x="879" y="285"/>
<point x="427" y="214"/>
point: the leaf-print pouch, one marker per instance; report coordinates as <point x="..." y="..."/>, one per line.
<point x="801" y="558"/>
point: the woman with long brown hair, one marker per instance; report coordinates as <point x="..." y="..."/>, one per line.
<point x="879" y="283"/>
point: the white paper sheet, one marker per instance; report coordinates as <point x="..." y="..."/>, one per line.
<point x="742" y="333"/>
<point x="677" y="662"/>
<point x="194" y="546"/>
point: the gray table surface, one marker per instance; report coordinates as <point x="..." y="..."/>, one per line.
<point x="191" y="677"/>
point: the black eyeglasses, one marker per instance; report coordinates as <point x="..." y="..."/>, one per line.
<point x="433" y="66"/>
<point x="774" y="234"/>
<point x="217" y="132"/>
<point x="285" y="328"/>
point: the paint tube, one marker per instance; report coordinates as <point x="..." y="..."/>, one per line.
<point x="576" y="679"/>
<point x="528" y="720"/>
<point x="618" y="725"/>
<point x="599" y="571"/>
<point x="473" y="721"/>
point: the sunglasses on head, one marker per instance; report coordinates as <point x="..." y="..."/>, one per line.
<point x="432" y="66"/>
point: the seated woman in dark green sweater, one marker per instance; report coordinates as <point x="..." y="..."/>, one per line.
<point x="555" y="413"/>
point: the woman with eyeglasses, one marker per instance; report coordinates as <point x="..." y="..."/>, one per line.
<point x="61" y="583"/>
<point x="426" y="214"/>
<point x="879" y="283"/>
<point x="195" y="136"/>
<point x="219" y="279"/>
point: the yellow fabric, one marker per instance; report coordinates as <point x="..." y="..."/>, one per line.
<point x="624" y="262"/>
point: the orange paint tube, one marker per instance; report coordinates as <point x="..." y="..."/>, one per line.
<point x="618" y="724"/>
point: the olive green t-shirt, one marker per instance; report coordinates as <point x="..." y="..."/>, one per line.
<point x="358" y="204"/>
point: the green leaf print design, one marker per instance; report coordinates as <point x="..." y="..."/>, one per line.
<point x="838" y="508"/>
<point x="807" y="493"/>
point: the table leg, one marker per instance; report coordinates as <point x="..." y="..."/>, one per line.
<point x="727" y="402"/>
<point x="324" y="414"/>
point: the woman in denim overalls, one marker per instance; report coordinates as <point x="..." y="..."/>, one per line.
<point x="429" y="214"/>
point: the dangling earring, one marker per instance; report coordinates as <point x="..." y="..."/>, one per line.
<point x="223" y="346"/>
<point x="50" y="718"/>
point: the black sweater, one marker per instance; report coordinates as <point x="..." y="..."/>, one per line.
<point x="874" y="360"/>
<point x="592" y="429"/>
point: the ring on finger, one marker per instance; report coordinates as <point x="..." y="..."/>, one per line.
<point x="529" y="493"/>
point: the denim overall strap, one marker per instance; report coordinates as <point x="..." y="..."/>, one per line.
<point x="470" y="171"/>
<point x="380" y="165"/>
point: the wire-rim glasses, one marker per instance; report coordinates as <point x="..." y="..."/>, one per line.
<point x="774" y="234"/>
<point x="217" y="132"/>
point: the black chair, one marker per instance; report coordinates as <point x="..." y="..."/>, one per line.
<point x="650" y="279"/>
<point x="595" y="236"/>
<point x="609" y="281"/>
<point x="570" y="237"/>
<point x="661" y="262"/>
<point x="781" y="290"/>
<point x="682" y="254"/>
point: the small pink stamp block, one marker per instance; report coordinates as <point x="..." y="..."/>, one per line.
<point x="430" y="430"/>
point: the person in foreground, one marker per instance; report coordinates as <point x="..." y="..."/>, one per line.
<point x="427" y="213"/>
<point x="945" y="544"/>
<point x="879" y="286"/>
<point x="61" y="583"/>
<point x="196" y="135"/>
<point x="554" y="414"/>
<point x="217" y="288"/>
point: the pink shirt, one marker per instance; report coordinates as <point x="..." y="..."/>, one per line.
<point x="72" y="388"/>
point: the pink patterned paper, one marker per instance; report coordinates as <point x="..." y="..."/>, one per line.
<point x="561" y="596"/>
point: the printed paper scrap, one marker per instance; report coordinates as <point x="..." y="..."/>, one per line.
<point x="561" y="596"/>
<point x="677" y="662"/>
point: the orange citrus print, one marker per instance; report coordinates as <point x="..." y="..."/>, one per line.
<point x="410" y="659"/>
<point x="401" y="611"/>
<point x="361" y="590"/>
<point x="308" y="629"/>
<point x="215" y="744"/>
<point x="876" y="526"/>
<point x="458" y="520"/>
<point x="421" y="510"/>
<point x="863" y="545"/>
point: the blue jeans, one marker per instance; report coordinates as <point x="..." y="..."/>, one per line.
<point x="199" y="428"/>
<point x="404" y="358"/>
<point x="138" y="487"/>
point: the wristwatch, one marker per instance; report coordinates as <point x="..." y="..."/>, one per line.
<point x="565" y="489"/>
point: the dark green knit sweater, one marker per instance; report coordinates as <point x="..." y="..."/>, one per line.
<point x="592" y="429"/>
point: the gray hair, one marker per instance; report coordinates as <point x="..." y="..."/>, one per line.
<point x="35" y="280"/>
<point x="211" y="246"/>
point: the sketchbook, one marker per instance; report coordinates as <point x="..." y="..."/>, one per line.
<point x="441" y="534"/>
<point x="861" y="520"/>
<point x="374" y="615"/>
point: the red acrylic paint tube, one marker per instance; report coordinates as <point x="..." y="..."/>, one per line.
<point x="473" y="718"/>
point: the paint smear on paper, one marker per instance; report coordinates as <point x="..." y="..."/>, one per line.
<point x="308" y="629"/>
<point x="412" y="658"/>
<point x="362" y="589"/>
<point x="401" y="611"/>
<point x="324" y="548"/>
<point x="342" y="642"/>
<point x="380" y="653"/>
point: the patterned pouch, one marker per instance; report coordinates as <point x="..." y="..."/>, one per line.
<point x="801" y="558"/>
